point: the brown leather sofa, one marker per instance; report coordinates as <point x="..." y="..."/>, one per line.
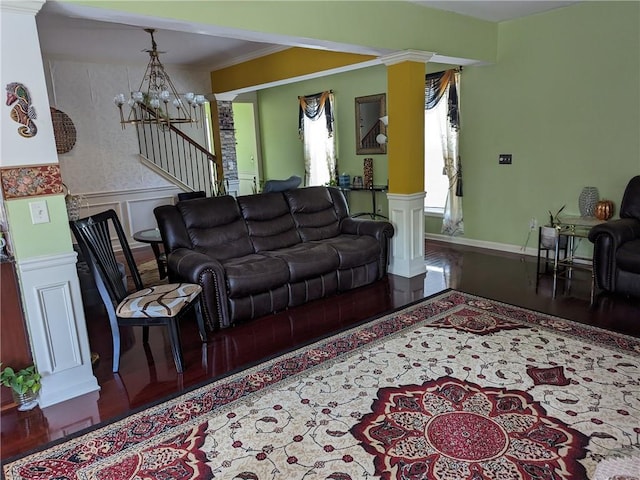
<point x="616" y="246"/>
<point x="263" y="253"/>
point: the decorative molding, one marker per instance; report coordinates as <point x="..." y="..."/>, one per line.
<point x="134" y="208"/>
<point x="26" y="7"/>
<point x="407" y="56"/>
<point x="31" y="181"/>
<point x="224" y="97"/>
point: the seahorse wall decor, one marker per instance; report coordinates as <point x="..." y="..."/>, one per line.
<point x="22" y="112"/>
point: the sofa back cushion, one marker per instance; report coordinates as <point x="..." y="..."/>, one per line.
<point x="216" y="227"/>
<point x="269" y="221"/>
<point x="313" y="212"/>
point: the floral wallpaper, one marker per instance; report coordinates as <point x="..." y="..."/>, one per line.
<point x="105" y="157"/>
<point x="30" y="181"/>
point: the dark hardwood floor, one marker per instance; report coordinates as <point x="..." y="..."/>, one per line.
<point x="148" y="375"/>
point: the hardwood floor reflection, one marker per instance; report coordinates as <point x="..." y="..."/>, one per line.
<point x="148" y="374"/>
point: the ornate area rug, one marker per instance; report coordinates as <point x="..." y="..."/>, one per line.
<point x="455" y="387"/>
<point x="149" y="273"/>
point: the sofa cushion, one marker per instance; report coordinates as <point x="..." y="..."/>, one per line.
<point x="307" y="260"/>
<point x="628" y="256"/>
<point x="216" y="227"/>
<point x="269" y="222"/>
<point x="254" y="273"/>
<point x="354" y="250"/>
<point x="313" y="213"/>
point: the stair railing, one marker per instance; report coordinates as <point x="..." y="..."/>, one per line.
<point x="179" y="158"/>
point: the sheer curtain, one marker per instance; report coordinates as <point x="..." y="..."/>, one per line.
<point x="444" y="86"/>
<point x="315" y="127"/>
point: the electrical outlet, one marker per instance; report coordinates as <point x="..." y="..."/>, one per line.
<point x="533" y="223"/>
<point x="505" y="158"/>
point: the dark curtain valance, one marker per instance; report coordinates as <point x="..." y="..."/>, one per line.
<point x="312" y="107"/>
<point x="435" y="87"/>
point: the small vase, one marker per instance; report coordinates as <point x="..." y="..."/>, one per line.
<point x="368" y="173"/>
<point x="587" y="201"/>
<point x="25" y="401"/>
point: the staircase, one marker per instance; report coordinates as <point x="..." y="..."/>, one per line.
<point x="177" y="157"/>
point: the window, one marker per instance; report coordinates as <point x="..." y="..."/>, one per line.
<point x="436" y="182"/>
<point x="442" y="126"/>
<point x="316" y="130"/>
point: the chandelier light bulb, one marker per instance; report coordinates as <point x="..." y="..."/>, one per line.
<point x="138" y="97"/>
<point x="154" y="103"/>
<point x="119" y="99"/>
<point x="165" y="95"/>
<point x="189" y="97"/>
<point x="200" y="99"/>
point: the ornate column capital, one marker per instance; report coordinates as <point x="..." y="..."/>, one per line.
<point x="26" y="7"/>
<point x="407" y="56"/>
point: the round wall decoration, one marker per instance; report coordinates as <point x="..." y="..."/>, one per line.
<point x="64" y="130"/>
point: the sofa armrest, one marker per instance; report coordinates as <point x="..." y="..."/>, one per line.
<point x="188" y="265"/>
<point x="359" y="226"/>
<point x="381" y="231"/>
<point x="607" y="238"/>
<point x="620" y="231"/>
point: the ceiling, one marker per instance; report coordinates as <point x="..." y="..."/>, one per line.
<point x="90" y="34"/>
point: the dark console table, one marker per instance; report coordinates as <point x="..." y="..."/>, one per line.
<point x="373" y="190"/>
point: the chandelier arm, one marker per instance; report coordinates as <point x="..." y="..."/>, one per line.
<point x="156" y="87"/>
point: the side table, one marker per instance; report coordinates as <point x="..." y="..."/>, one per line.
<point x="570" y="228"/>
<point x="152" y="237"/>
<point x="375" y="189"/>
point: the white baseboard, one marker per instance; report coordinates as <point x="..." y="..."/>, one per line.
<point x="502" y="247"/>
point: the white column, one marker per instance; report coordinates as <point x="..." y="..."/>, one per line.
<point x="45" y="260"/>
<point x="406" y="213"/>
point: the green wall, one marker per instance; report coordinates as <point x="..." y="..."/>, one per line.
<point x="282" y="151"/>
<point x="564" y="99"/>
<point x="29" y="240"/>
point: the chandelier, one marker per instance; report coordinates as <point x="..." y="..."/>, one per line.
<point x="157" y="101"/>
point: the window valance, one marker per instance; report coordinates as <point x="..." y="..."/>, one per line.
<point x="436" y="85"/>
<point x="312" y="107"/>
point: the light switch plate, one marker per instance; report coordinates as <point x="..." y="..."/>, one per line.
<point x="505" y="158"/>
<point x="39" y="212"/>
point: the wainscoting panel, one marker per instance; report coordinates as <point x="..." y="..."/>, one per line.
<point x="57" y="329"/>
<point x="134" y="207"/>
<point x="140" y="211"/>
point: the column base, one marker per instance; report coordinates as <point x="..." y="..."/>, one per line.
<point x="406" y="213"/>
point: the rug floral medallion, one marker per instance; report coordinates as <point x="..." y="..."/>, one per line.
<point x="455" y="387"/>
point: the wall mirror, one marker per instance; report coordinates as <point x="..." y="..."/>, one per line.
<point x="369" y="109"/>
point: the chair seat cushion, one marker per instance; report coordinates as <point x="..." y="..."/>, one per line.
<point x="158" y="301"/>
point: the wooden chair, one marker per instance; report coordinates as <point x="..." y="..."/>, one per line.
<point x="156" y="305"/>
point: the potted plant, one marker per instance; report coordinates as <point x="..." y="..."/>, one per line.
<point x="24" y="384"/>
<point x="549" y="233"/>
